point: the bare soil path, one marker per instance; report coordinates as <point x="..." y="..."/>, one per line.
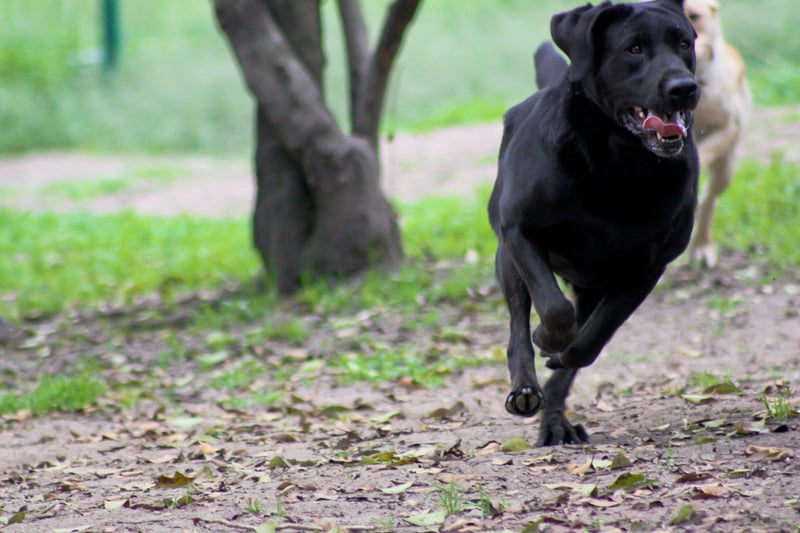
<point x="691" y="407"/>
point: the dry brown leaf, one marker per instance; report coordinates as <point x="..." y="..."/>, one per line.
<point x="764" y="453"/>
<point x="159" y="460"/>
<point x="692" y="477"/>
<point x="712" y="491"/>
<point x="490" y="448"/>
<point x="603" y="504"/>
<point x="207" y="449"/>
<point x="549" y="458"/>
<point x="579" y="469"/>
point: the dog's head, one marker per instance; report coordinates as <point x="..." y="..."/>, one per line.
<point x="636" y="62"/>
<point x="704" y="16"/>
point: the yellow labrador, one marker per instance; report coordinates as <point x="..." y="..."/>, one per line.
<point x="718" y="119"/>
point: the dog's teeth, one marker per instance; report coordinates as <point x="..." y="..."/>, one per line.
<point x="660" y="138"/>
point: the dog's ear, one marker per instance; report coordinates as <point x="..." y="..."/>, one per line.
<point x="574" y="32"/>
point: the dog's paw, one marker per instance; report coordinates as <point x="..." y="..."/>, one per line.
<point x="550" y="342"/>
<point x="556" y="430"/>
<point x="704" y="256"/>
<point x="552" y="360"/>
<point x="525" y="401"/>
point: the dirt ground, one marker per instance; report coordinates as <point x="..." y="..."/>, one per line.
<point x="670" y="451"/>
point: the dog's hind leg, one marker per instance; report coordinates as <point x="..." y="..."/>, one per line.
<point x="526" y="397"/>
<point x="702" y="249"/>
<point x="554" y="428"/>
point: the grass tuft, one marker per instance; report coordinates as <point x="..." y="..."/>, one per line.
<point x="55" y="393"/>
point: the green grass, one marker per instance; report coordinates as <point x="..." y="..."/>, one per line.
<point x="57" y="261"/>
<point x="760" y="211"/>
<point x="177" y="88"/>
<point x="64" y="393"/>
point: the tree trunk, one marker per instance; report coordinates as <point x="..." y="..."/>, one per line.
<point x="319" y="208"/>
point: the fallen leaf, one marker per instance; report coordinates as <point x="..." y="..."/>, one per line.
<point x="549" y="458"/>
<point x="602" y="504"/>
<point x="683" y="515"/>
<point x="764" y="453"/>
<point x="620" y="461"/>
<point x="278" y="462"/>
<point x="111" y="505"/>
<point x="723" y="388"/>
<point x="159" y="460"/>
<point x="698" y="398"/>
<point x="712" y="491"/>
<point x="17" y="517"/>
<point x="600" y="464"/>
<point x="579" y="469"/>
<point x="631" y="481"/>
<point x="427" y="518"/>
<point x="733" y="474"/>
<point x="692" y="477"/>
<point x="397" y="489"/>
<point x="713" y="424"/>
<point x="515" y="444"/>
<point x="207" y="449"/>
<point x="749" y="428"/>
<point x="177" y="480"/>
<point x="447" y="412"/>
<point x="502" y="461"/>
<point x="382" y="419"/>
<point x="585" y="489"/>
<point x="267" y="527"/>
<point x="533" y="527"/>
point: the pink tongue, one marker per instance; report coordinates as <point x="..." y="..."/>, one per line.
<point x="669" y="129"/>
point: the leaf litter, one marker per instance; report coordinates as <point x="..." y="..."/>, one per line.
<point x="328" y="456"/>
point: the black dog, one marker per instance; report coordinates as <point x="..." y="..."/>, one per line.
<point x="596" y="183"/>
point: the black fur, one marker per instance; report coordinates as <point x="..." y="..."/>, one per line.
<point x="586" y="194"/>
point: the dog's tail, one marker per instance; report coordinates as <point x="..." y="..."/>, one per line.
<point x="549" y="64"/>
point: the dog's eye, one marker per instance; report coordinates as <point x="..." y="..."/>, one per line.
<point x="694" y="17"/>
<point x="636" y="49"/>
<point x="685" y="45"/>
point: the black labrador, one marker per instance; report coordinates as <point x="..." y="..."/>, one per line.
<point x="596" y="184"/>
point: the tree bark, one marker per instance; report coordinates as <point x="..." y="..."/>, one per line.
<point x="319" y="207"/>
<point x="369" y="106"/>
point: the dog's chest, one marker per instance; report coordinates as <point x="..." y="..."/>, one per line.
<point x="613" y="234"/>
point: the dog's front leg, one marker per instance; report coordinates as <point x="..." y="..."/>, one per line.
<point x="612" y="311"/>
<point x="525" y="277"/>
<point x="558" y="326"/>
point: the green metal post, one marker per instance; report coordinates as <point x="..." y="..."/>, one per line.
<point x="109" y="13"/>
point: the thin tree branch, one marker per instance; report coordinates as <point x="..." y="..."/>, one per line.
<point x="357" y="42"/>
<point x="284" y="89"/>
<point x="369" y="107"/>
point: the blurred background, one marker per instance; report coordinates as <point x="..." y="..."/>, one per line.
<point x="175" y="88"/>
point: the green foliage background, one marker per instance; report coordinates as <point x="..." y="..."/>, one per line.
<point x="178" y="88"/>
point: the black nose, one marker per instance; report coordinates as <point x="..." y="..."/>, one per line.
<point x="682" y="93"/>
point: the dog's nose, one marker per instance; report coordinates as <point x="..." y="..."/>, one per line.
<point x="682" y="93"/>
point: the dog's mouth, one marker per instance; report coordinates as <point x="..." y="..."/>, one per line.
<point x="662" y="133"/>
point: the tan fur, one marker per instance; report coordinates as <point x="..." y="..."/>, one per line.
<point x="719" y="118"/>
